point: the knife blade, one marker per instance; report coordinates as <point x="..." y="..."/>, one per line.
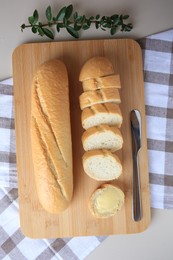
<point x="135" y="119"/>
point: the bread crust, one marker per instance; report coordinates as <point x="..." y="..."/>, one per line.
<point x="101" y="129"/>
<point x="102" y="153"/>
<point x="51" y="136"/>
<point x="107" y="108"/>
<point x="111" y="81"/>
<point x="96" y="67"/>
<point x="89" y="98"/>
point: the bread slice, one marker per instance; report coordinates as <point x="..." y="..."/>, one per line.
<point x="112" y="81"/>
<point x="102" y="137"/>
<point x="108" y="113"/>
<point x="96" y="67"/>
<point x="100" y="96"/>
<point x="106" y="201"/>
<point x="102" y="165"/>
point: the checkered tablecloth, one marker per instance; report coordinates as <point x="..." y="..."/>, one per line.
<point x="158" y="76"/>
<point x="14" y="245"/>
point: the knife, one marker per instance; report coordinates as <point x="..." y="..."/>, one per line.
<point x="135" y="119"/>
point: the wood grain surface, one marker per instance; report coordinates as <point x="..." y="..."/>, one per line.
<point x="126" y="57"/>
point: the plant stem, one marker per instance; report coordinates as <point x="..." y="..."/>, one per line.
<point x="73" y="22"/>
<point x="55" y="23"/>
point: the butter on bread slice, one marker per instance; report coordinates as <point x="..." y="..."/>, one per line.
<point x="106" y="201"/>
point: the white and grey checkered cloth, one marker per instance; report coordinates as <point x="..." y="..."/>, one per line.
<point x="14" y="245"/>
<point x="158" y="77"/>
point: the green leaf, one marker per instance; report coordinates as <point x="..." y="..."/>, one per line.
<point x="113" y="30"/>
<point x="40" y="31"/>
<point x="49" y="13"/>
<point x="88" y="22"/>
<point x="75" y="15"/>
<point x="61" y="25"/>
<point x="57" y="28"/>
<point x="106" y="25"/>
<point x="68" y="11"/>
<point x="85" y="27"/>
<point x="97" y="16"/>
<point x="117" y="21"/>
<point x="61" y="14"/>
<point x="34" y="18"/>
<point x="22" y="27"/>
<point x="31" y="20"/>
<point x="114" y="16"/>
<point x="97" y="25"/>
<point x="48" y="33"/>
<point x="102" y="21"/>
<point x="79" y="18"/>
<point x="108" y="20"/>
<point x="123" y="27"/>
<point x="72" y="31"/>
<point x="66" y="22"/>
<point x="128" y="27"/>
<point x="35" y="15"/>
<point x="83" y="19"/>
<point x="77" y="26"/>
<point x="91" y="18"/>
<point x="125" y="17"/>
<point x="34" y="29"/>
<point x="104" y="18"/>
<point x="103" y="29"/>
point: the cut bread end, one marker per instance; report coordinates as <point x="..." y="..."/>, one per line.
<point x="96" y="67"/>
<point x="106" y="201"/>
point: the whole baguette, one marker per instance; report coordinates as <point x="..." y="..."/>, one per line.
<point x="51" y="136"/>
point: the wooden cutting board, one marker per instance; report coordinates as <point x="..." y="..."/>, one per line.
<point x="76" y="220"/>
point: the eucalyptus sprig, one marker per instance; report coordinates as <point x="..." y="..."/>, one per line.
<point x="74" y="22"/>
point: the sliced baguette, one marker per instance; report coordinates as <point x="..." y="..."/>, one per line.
<point x="108" y="113"/>
<point x="101" y="165"/>
<point x="96" y="67"/>
<point x="112" y="81"/>
<point x="106" y="201"/>
<point x="102" y="137"/>
<point x="100" y="96"/>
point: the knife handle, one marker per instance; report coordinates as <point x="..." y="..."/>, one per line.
<point x="137" y="207"/>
